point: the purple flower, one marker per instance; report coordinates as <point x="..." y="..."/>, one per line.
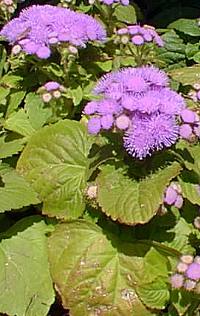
<point x="170" y="196"/>
<point x="40" y="26"/>
<point x="94" y="125"/>
<point x="189" y="285"/>
<point x="185" y="131"/>
<point x="177" y="280"/>
<point x="107" y="121"/>
<point x="137" y="40"/>
<point x="142" y="106"/>
<point x="193" y="271"/>
<point x="110" y="2"/>
<point x="188" y="116"/>
<point x="90" y="108"/>
<point x="150" y="133"/>
<point x="122" y="122"/>
<point x="141" y="34"/>
<point x="52" y="85"/>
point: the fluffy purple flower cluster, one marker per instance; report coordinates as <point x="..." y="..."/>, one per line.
<point x="110" y="2"/>
<point x="139" y="103"/>
<point x="187" y="274"/>
<point x="139" y="35"/>
<point x="190" y="124"/>
<point x="39" y="27"/>
<point x="51" y="90"/>
<point x="173" y="195"/>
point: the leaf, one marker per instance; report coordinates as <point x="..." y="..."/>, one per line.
<point x="55" y="162"/>
<point x="26" y="121"/>
<point x="76" y="94"/>
<point x="18" y="122"/>
<point x="34" y="108"/>
<point x="104" y="65"/>
<point x="7" y="149"/>
<point x="11" y="81"/>
<point x="3" y="93"/>
<point x="125" y="14"/>
<point x="24" y="275"/>
<point x="15" y="100"/>
<point x="15" y="192"/>
<point x="190" y="187"/>
<point x="186" y="75"/>
<point x="187" y="26"/>
<point x="99" y="274"/>
<point x="132" y="202"/>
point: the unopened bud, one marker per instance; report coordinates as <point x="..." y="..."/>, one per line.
<point x="16" y="49"/>
<point x="56" y="94"/>
<point x="46" y="97"/>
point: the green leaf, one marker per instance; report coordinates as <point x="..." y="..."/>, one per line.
<point x="196" y="57"/>
<point x="55" y="162"/>
<point x="26" y="286"/>
<point x="98" y="273"/>
<point x="186" y="75"/>
<point x="15" y="192"/>
<point x="105" y="65"/>
<point x="15" y="100"/>
<point x="3" y="93"/>
<point x="190" y="187"/>
<point x="26" y="121"/>
<point x="187" y="26"/>
<point x="11" y="81"/>
<point x="18" y="122"/>
<point x="34" y="108"/>
<point x="76" y="94"/>
<point x="191" y="50"/>
<point x="132" y="202"/>
<point x="7" y="149"/>
<point x="125" y="14"/>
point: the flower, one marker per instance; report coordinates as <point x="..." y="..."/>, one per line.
<point x="177" y="281"/>
<point x="142" y="107"/>
<point x="39" y="27"/>
<point x="110" y="2"/>
<point x="193" y="271"/>
<point x="50" y="90"/>
<point x="173" y="195"/>
<point x="149" y="133"/>
<point x="140" y="35"/>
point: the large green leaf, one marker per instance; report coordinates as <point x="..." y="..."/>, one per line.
<point x="15" y="192"/>
<point x="55" y="162"/>
<point x="25" y="283"/>
<point x="129" y="201"/>
<point x="99" y="274"/>
<point x="187" y="26"/>
<point x="186" y="75"/>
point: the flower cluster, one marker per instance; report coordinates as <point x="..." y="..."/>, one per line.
<point x="195" y="94"/>
<point x="51" y="90"/>
<point x="7" y="6"/>
<point x="139" y="35"/>
<point x="173" y="195"/>
<point x="139" y="103"/>
<point x="187" y="274"/>
<point x="110" y="2"/>
<point x="39" y="27"/>
<point x="190" y="124"/>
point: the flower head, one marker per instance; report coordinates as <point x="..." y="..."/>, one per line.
<point x="142" y="106"/>
<point x="39" y="27"/>
<point x="140" y="35"/>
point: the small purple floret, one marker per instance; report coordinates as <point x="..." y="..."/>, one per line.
<point x="193" y="271"/>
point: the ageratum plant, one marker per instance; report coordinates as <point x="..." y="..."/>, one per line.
<point x="99" y="158"/>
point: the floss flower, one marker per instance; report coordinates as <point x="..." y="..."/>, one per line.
<point x="110" y="2"/>
<point x="39" y="27"/>
<point x="138" y="103"/>
<point x="173" y="195"/>
<point x="51" y="90"/>
<point x="140" y="35"/>
<point x="187" y="274"/>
